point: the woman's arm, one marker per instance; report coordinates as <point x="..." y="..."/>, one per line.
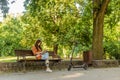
<point x="43" y="52"/>
<point x="35" y="51"/>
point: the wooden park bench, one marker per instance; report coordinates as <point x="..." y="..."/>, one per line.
<point x="22" y="56"/>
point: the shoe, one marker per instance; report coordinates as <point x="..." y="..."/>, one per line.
<point x="48" y="70"/>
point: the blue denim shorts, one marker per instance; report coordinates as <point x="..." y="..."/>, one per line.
<point x="45" y="56"/>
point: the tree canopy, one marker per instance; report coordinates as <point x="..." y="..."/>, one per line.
<point x="61" y="23"/>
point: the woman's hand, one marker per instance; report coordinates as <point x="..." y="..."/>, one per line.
<point x="38" y="53"/>
<point x="43" y="51"/>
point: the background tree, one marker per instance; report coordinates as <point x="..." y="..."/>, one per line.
<point x="60" y="22"/>
<point x="112" y="30"/>
<point x="99" y="9"/>
<point x="10" y="35"/>
<point x="4" y="7"/>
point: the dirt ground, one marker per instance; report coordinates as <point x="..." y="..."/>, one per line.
<point x="74" y="74"/>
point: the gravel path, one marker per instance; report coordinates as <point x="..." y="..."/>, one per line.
<point x="74" y="74"/>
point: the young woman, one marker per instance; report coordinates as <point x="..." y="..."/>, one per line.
<point x="40" y="54"/>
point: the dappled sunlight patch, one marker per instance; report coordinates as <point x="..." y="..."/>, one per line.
<point x="73" y="75"/>
<point x="4" y="59"/>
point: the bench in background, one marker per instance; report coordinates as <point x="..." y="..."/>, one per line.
<point x="25" y="56"/>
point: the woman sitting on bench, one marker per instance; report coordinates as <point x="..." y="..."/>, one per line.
<point x="40" y="54"/>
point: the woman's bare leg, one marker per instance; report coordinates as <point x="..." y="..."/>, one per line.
<point x="47" y="66"/>
<point x="46" y="57"/>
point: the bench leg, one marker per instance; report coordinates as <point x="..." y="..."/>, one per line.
<point x="24" y="68"/>
<point x="24" y="65"/>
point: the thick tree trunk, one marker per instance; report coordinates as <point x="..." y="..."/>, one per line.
<point x="99" y="8"/>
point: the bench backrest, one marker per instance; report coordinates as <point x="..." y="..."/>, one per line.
<point x="24" y="53"/>
<point x="30" y="53"/>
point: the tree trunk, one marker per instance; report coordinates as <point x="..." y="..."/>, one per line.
<point x="99" y="8"/>
<point x="55" y="48"/>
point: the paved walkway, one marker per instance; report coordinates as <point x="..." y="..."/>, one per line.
<point x="74" y="74"/>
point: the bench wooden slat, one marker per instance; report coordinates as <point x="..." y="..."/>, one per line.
<point x="24" y="53"/>
<point x="41" y="60"/>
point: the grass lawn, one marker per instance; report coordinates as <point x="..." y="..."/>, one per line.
<point x="13" y="59"/>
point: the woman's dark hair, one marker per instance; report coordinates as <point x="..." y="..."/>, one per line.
<point x="38" y="46"/>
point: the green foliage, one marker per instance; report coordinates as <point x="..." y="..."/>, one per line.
<point x="58" y="22"/>
<point x="61" y="22"/>
<point x="112" y="29"/>
<point x="112" y="13"/>
<point x="113" y="49"/>
<point x="10" y="35"/>
<point x="112" y="41"/>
